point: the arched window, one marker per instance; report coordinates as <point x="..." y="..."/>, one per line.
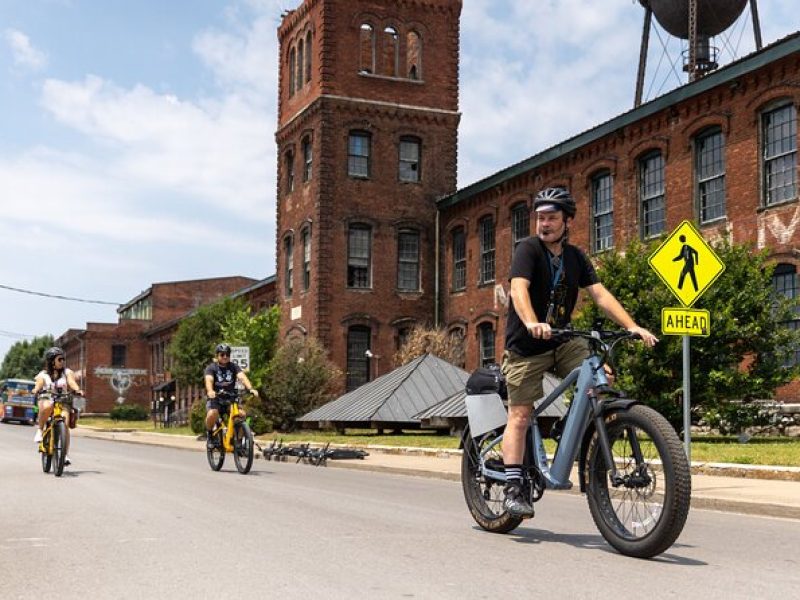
<point x="459" y="254"/>
<point x="779" y="154"/>
<point x="486" y="344"/>
<point x="651" y="194"/>
<point x="300" y="65"/>
<point x="602" y="211"/>
<point x="289" y="159"/>
<point x="709" y="151"/>
<point x="288" y="271"/>
<point x="358" y="149"/>
<point x="359" y="256"/>
<point x="358" y="342"/>
<point x="408" y="260"/>
<point x="306" y="258"/>
<point x="367" y="49"/>
<point x="292" y="67"/>
<point x="784" y="281"/>
<point x="413" y="55"/>
<point x="307" y="158"/>
<point x="391" y="52"/>
<point x="520" y="224"/>
<point x="308" y="57"/>
<point x="487" y="250"/>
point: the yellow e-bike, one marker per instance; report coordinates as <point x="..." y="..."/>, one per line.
<point x="53" y="446"/>
<point x="231" y="434"/>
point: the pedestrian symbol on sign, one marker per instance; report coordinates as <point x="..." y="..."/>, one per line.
<point x="689" y="257"/>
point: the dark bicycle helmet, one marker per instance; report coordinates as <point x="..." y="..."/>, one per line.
<point x="52" y="353"/>
<point x="223" y="349"/>
<point x="557" y="197"/>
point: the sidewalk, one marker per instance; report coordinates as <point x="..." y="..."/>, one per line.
<point x="765" y="491"/>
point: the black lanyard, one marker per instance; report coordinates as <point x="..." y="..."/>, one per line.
<point x="556" y="278"/>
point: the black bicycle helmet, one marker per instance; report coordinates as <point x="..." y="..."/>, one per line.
<point x="558" y="197"/>
<point x="223" y="349"/>
<point x="52" y="353"/>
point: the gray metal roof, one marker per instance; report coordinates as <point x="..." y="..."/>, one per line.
<point x="454" y="406"/>
<point x="780" y="49"/>
<point x="396" y="396"/>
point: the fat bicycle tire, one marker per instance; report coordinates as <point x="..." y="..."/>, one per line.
<point x="243" y="448"/>
<point x="216" y="456"/>
<point x="47" y="458"/>
<point x="59" y="447"/>
<point x="484" y="496"/>
<point x="645" y="517"/>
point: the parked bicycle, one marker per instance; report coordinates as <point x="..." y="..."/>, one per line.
<point x="632" y="466"/>
<point x="53" y="447"/>
<point x="231" y="434"/>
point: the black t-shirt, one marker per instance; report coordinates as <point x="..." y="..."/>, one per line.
<point x="535" y="263"/>
<point x="224" y="377"/>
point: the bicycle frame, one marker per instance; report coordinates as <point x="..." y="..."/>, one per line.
<point x="233" y="418"/>
<point x="583" y="408"/>
<point x="58" y="415"/>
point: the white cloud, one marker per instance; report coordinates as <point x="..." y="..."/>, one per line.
<point x="24" y="53"/>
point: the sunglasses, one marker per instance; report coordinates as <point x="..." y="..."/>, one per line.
<point x="61" y="358"/>
<point x="223" y="353"/>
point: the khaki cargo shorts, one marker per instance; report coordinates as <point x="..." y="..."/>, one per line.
<point x="524" y="373"/>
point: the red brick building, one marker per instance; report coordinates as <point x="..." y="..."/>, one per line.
<point x="373" y="236"/>
<point x="127" y="358"/>
<point x="367" y="127"/>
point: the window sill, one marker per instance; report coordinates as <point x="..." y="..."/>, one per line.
<point x="369" y="75"/>
<point x="714" y="222"/>
<point x="358" y="289"/>
<point x="485" y="284"/>
<point x="777" y="205"/>
<point x="459" y="291"/>
<point x="408" y="292"/>
<point x="358" y="177"/>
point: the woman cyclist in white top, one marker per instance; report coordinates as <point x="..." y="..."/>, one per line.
<point x="55" y="377"/>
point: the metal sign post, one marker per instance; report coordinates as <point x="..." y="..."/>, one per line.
<point x="687" y="401"/>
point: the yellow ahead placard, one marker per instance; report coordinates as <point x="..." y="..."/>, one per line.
<point x="685" y="321"/>
<point x="686" y="263"/>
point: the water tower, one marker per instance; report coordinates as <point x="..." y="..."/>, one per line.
<point x="696" y="21"/>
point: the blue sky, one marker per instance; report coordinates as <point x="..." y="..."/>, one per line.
<point x="137" y="138"/>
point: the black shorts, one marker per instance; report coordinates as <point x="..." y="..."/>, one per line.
<point x="218" y="405"/>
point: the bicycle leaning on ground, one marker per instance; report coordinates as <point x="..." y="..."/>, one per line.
<point x="53" y="446"/>
<point x="231" y="434"/>
<point x="632" y="466"/>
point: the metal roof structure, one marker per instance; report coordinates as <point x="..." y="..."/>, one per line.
<point x="395" y="398"/>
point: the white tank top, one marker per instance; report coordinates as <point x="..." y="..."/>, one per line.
<point x="50" y="385"/>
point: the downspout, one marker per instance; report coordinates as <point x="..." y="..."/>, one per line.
<point x="436" y="271"/>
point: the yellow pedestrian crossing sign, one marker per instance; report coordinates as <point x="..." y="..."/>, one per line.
<point x="686" y="263"/>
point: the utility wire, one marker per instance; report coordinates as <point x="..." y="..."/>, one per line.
<point x="57" y="297"/>
<point x="12" y="334"/>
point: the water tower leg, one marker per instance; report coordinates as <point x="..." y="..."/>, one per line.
<point x="756" y="23"/>
<point x="648" y="17"/>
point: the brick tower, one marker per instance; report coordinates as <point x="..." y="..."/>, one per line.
<point x="367" y="133"/>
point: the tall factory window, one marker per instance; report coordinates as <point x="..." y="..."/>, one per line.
<point x="308" y="57"/>
<point x="602" y="212"/>
<point x="780" y="154"/>
<point x="391" y="52"/>
<point x="300" y="65"/>
<point x="520" y="224"/>
<point x="486" y="344"/>
<point x="288" y="273"/>
<point x="413" y="55"/>
<point x="409" y="159"/>
<point x="306" y="258"/>
<point x="307" y="158"/>
<point x="292" y="67"/>
<point x="118" y="355"/>
<point x="487" y="250"/>
<point x="784" y="280"/>
<point x="358" y="342"/>
<point x="367" y="49"/>
<point x="358" y="154"/>
<point x="459" y="260"/>
<point x="710" y="169"/>
<point x="359" y="256"/>
<point x="408" y="260"/>
<point x="651" y="194"/>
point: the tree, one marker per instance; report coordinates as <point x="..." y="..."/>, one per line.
<point x="299" y="379"/>
<point x="25" y="359"/>
<point x="744" y="358"/>
<point x="430" y="340"/>
<point x="259" y="332"/>
<point x="192" y="347"/>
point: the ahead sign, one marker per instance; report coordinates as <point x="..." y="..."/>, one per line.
<point x="686" y="264"/>
<point x="685" y="321"/>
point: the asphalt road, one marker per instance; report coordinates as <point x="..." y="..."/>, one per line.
<point x="133" y="521"/>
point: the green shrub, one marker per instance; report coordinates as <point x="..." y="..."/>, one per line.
<point x="197" y="416"/>
<point x="256" y="416"/>
<point x="129" y="412"/>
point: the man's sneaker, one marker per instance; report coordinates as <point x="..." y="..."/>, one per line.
<point x="67" y="461"/>
<point x="515" y="503"/>
<point x="37" y="437"/>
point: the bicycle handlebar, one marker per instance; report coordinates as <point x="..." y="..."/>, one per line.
<point x="596" y="334"/>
